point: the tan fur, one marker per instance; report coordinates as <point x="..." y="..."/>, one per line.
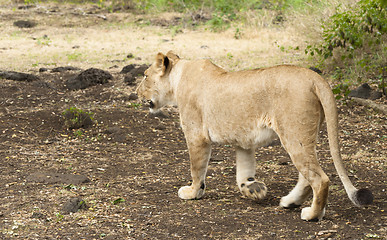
<point x="249" y="109"/>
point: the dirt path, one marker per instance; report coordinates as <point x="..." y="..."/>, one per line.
<point x="135" y="163"/>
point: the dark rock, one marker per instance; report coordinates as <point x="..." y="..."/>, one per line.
<point x="366" y="92"/>
<point x="130" y="55"/>
<point x="88" y="78"/>
<point x="130" y="80"/>
<point x="73" y="205"/>
<point x="283" y="162"/>
<point x="140" y="70"/>
<point x="25" y="24"/>
<point x="25" y="7"/>
<point x="135" y="69"/>
<point x="43" y="69"/>
<point x="53" y="177"/>
<point x="64" y="69"/>
<point x="133" y="96"/>
<point x="18" y="76"/>
<point x="38" y="215"/>
<point x="128" y="68"/>
<point x="158" y="114"/>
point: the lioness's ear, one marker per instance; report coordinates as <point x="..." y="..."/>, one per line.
<point x="162" y="62"/>
<point x="173" y="56"/>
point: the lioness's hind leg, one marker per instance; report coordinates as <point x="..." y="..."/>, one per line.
<point x="247" y="184"/>
<point x="298" y="195"/>
<point x="305" y="159"/>
<point x="199" y="152"/>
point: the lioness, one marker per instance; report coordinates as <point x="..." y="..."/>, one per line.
<point x="249" y="109"/>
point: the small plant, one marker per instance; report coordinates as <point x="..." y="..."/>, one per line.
<point x="134" y="105"/>
<point x="74" y="56"/>
<point x="118" y="200"/>
<point x="45" y="41"/>
<point x="76" y="118"/>
<point x="59" y="217"/>
<point x="238" y="33"/>
<point x="78" y="133"/>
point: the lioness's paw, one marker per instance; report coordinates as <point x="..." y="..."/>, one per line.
<point x="253" y="190"/>
<point x="188" y="192"/>
<point x="289" y="202"/>
<point x="308" y="214"/>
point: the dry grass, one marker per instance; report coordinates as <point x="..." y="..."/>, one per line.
<point x="76" y="39"/>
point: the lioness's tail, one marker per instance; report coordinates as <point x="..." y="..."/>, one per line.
<point x="324" y="93"/>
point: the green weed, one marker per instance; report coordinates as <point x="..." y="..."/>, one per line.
<point x="76" y="118"/>
<point x="134" y="105"/>
<point x="74" y="56"/>
<point x="44" y="41"/>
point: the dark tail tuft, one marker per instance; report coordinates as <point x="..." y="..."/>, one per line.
<point x="364" y="196"/>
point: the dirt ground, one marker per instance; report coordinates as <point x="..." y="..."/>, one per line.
<point x="131" y="165"/>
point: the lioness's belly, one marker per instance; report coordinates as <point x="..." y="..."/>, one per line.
<point x="242" y="137"/>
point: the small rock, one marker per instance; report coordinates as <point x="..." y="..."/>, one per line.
<point x="283" y="162"/>
<point x="73" y="205"/>
<point x="158" y="114"/>
<point x="64" y="69"/>
<point x="130" y="55"/>
<point x="76" y="46"/>
<point x="128" y="68"/>
<point x="25" y="7"/>
<point x="43" y="69"/>
<point x="25" y="24"/>
<point x="133" y="96"/>
<point x="366" y="92"/>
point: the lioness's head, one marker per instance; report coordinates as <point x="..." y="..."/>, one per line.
<point x="156" y="87"/>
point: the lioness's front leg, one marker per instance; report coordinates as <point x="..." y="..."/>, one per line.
<point x="247" y="184"/>
<point x="199" y="152"/>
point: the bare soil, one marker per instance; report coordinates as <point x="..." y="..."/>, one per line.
<point x="128" y="167"/>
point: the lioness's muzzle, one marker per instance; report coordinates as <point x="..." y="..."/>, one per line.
<point x="151" y="104"/>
